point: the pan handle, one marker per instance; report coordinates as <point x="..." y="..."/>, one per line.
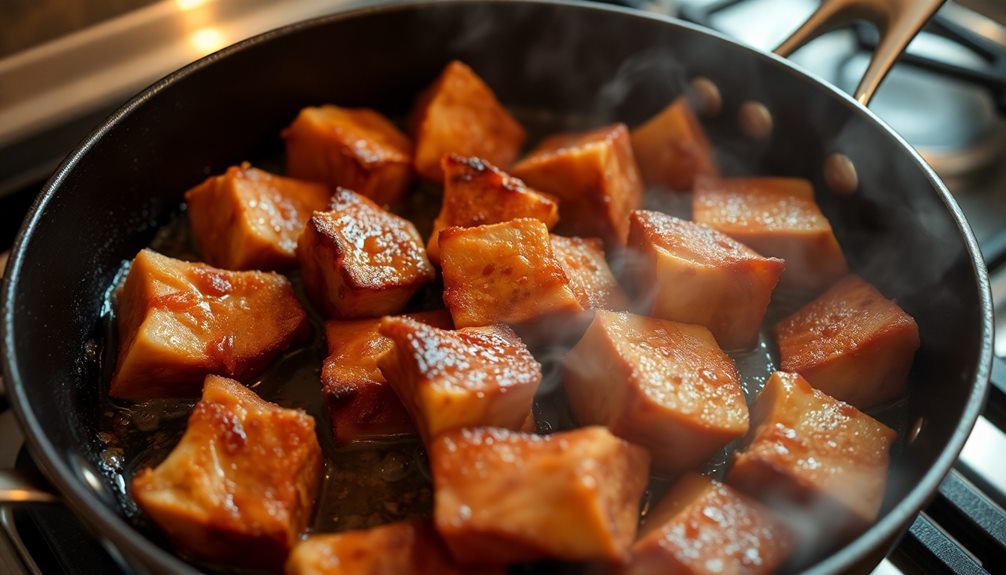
<point x="897" y="21"/>
<point x="19" y="487"/>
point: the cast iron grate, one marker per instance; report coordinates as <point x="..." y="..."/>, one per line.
<point x="989" y="73"/>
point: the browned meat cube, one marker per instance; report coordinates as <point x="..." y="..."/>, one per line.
<point x="502" y="273"/>
<point x="465" y="378"/>
<point x="665" y="386"/>
<point x="239" y="487"/>
<point x="595" y="177"/>
<point x="359" y="260"/>
<point x="672" y="149"/>
<point x="179" y="321"/>
<point x="851" y="343"/>
<point x="702" y="527"/>
<point x="529" y="425"/>
<point x="776" y="217"/>
<point x="404" y="548"/>
<point x="249" y="219"/>
<point x="478" y="193"/>
<point x="362" y="404"/>
<point x="590" y="278"/>
<point x="353" y="148"/>
<point x="820" y="461"/>
<point x="691" y="273"/>
<point x="460" y="114"/>
<point x="504" y="497"/>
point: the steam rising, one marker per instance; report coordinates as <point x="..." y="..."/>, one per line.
<point x="655" y="69"/>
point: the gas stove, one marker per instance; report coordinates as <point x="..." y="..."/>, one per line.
<point x="947" y="96"/>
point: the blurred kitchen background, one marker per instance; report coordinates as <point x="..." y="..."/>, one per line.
<point x="66" y="64"/>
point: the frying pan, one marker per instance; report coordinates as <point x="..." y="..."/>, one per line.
<point x="585" y="64"/>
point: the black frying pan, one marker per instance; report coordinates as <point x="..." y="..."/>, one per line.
<point x="584" y="64"/>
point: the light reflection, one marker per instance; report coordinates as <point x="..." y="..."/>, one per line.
<point x="208" y="39"/>
<point x="887" y="568"/>
<point x="91" y="478"/>
<point x="17" y="495"/>
<point x="186" y="5"/>
<point x="984" y="451"/>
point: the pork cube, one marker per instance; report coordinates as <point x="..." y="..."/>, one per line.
<point x="478" y="193"/>
<point x="702" y="527"/>
<point x="851" y="343"/>
<point x="595" y="177"/>
<point x="460" y="114"/>
<point x="671" y="148"/>
<point x="362" y="404"/>
<point x="249" y="219"/>
<point x="590" y="278"/>
<point x="692" y="273"/>
<point x="820" y="461"/>
<point x="239" y="487"/>
<point x="502" y="273"/>
<point x="465" y="378"/>
<point x="530" y="425"/>
<point x="353" y="148"/>
<point x="504" y="497"/>
<point x="403" y="548"/>
<point x="359" y="260"/>
<point x="776" y="217"/>
<point x="663" y="385"/>
<point x="179" y="321"/>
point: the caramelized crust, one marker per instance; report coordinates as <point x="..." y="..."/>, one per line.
<point x="820" y="461"/>
<point x="359" y="260"/>
<point x="590" y="278"/>
<point x="179" y="321"/>
<point x="404" y="548"/>
<point x="503" y="497"/>
<point x="665" y="386"/>
<point x="477" y="193"/>
<point x="777" y="217"/>
<point x="239" y="487"/>
<point x="691" y="273"/>
<point x="249" y="219"/>
<point x="353" y="148"/>
<point x="460" y="114"/>
<point x="502" y="273"/>
<point x="362" y="404"/>
<point x="672" y="149"/>
<point x="851" y="343"/>
<point x="702" y="527"/>
<point x="595" y="177"/>
<point x="482" y="376"/>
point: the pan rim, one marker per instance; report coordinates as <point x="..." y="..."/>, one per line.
<point x="114" y="529"/>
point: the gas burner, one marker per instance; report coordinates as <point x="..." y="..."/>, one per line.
<point x="947" y="101"/>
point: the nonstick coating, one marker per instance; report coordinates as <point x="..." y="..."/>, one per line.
<point x="901" y="229"/>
